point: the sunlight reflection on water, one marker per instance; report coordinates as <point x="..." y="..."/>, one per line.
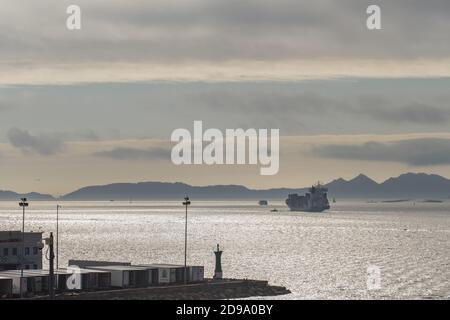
<point x="314" y="255"/>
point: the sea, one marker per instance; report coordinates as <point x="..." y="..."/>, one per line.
<point x="355" y="250"/>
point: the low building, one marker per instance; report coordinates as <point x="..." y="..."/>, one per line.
<point x="36" y="282"/>
<point x="32" y="283"/>
<point x="168" y="273"/>
<point x="98" y="279"/>
<point x="196" y="273"/>
<point x="90" y="279"/>
<point x="126" y="276"/>
<point x="6" y="287"/>
<point x="95" y="278"/>
<point x="11" y="250"/>
<point x="60" y="277"/>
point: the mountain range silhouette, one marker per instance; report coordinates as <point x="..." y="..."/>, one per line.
<point x="409" y="185"/>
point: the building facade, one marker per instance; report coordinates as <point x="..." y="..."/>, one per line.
<point x="11" y="250"/>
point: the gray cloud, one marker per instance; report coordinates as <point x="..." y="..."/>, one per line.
<point x="42" y="144"/>
<point x="90" y="135"/>
<point x="415" y="152"/>
<point x="7" y="104"/>
<point x="315" y="107"/>
<point x="415" y="112"/>
<point x="122" y="153"/>
<point x="163" y="30"/>
<point x="294" y="110"/>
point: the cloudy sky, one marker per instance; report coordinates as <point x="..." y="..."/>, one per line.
<point x="98" y="105"/>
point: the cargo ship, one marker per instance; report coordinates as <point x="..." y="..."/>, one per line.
<point x="315" y="200"/>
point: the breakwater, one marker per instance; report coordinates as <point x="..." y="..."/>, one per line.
<point x="223" y="289"/>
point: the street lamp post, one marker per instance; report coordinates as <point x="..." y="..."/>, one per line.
<point x="185" y="203"/>
<point x="23" y="203"/>
<point x="51" y="268"/>
<point x="57" y="236"/>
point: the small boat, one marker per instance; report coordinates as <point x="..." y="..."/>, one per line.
<point x="396" y="201"/>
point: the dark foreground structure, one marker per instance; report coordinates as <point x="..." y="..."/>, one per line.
<point x="207" y="290"/>
<point x="106" y="281"/>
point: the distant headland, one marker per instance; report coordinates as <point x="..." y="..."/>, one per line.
<point x="405" y="186"/>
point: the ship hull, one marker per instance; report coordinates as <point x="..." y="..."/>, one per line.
<point x="318" y="210"/>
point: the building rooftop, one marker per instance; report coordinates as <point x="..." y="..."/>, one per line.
<point x="16" y="236"/>
<point x="118" y="268"/>
<point x="88" y="270"/>
<point x="14" y="232"/>
<point x="46" y="272"/>
<point x="163" y="265"/>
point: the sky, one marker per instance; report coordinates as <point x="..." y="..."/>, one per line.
<point x="98" y="105"/>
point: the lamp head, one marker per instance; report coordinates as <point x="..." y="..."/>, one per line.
<point x="23" y="202"/>
<point x="186" y="201"/>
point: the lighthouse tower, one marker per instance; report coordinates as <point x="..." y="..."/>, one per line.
<point x="218" y="269"/>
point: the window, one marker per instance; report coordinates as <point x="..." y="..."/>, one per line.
<point x="5" y="251"/>
<point x="14" y="251"/>
<point x="27" y="251"/>
<point x="27" y="267"/>
<point x="35" y="250"/>
<point x="34" y="266"/>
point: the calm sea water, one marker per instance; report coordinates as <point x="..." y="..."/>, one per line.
<point x="322" y="256"/>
